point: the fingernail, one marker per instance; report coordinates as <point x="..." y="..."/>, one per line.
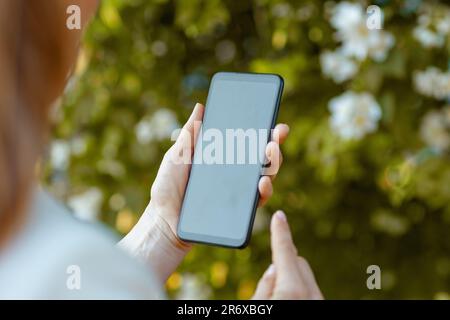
<point x="281" y="215"/>
<point x="271" y="270"/>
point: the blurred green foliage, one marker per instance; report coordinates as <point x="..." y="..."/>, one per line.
<point x="350" y="204"/>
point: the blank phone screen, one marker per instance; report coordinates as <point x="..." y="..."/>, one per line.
<point x="222" y="190"/>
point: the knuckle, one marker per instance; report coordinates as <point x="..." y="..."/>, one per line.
<point x="153" y="191"/>
<point x="169" y="152"/>
<point x="267" y="278"/>
<point x="288" y="248"/>
<point x="303" y="262"/>
<point x="286" y="245"/>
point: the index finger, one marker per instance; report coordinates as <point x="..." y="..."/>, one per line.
<point x="284" y="253"/>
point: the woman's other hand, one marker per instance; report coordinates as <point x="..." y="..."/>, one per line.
<point x="289" y="276"/>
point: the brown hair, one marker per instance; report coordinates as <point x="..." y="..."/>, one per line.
<point x="36" y="55"/>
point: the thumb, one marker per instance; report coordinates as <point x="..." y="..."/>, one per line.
<point x="192" y="126"/>
<point x="184" y="145"/>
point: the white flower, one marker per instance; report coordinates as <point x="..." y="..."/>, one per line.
<point x="353" y="115"/>
<point x="380" y="42"/>
<point x="59" y="154"/>
<point x="361" y="43"/>
<point x="337" y="66"/>
<point x="348" y="19"/>
<point x="160" y="126"/>
<point x="435" y="129"/>
<point x="354" y="42"/>
<point x="433" y="83"/>
<point x="428" y="38"/>
<point x="433" y="26"/>
<point x="443" y="25"/>
<point x="347" y="15"/>
<point x="86" y="205"/>
<point x="358" y="41"/>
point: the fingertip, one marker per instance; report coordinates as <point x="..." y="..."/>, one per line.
<point x="265" y="187"/>
<point x="197" y="111"/>
<point x="281" y="216"/>
<point x="278" y="222"/>
<point x="199" y="106"/>
<point x="282" y="127"/>
<point x="281" y="132"/>
<point x="285" y="127"/>
<point x="271" y="148"/>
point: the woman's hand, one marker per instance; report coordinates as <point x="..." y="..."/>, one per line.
<point x="154" y="238"/>
<point x="289" y="276"/>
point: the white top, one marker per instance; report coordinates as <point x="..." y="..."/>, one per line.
<point x="56" y="256"/>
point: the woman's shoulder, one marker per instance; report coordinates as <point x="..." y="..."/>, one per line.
<point x="57" y="256"/>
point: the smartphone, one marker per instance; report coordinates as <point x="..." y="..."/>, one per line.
<point x="221" y="196"/>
